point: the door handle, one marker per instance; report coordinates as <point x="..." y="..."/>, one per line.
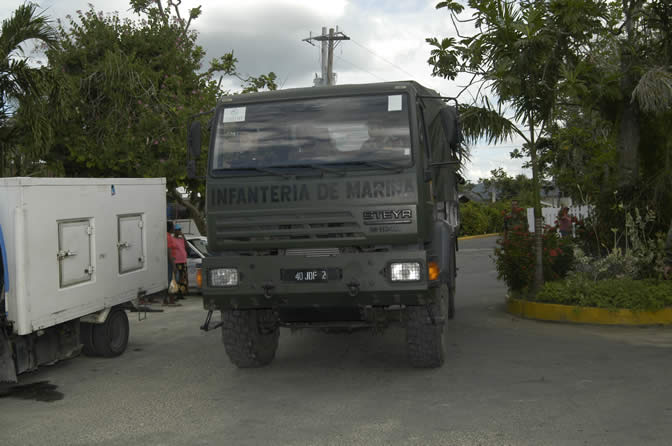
<point x="63" y="254"/>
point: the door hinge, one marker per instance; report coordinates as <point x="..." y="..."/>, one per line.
<point x="89" y="270"/>
<point x="123" y="245"/>
<point x="141" y="224"/>
<point x="89" y="230"/>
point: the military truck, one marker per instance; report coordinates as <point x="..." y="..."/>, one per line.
<point x="331" y="207"/>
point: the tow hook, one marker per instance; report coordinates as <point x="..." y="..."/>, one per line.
<point x="353" y="288"/>
<point x="268" y="287"/>
<point x="206" y="325"/>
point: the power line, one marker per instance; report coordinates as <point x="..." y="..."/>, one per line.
<point x="360" y="68"/>
<point x="382" y="58"/>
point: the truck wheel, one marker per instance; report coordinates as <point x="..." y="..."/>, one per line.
<point x="111" y="337"/>
<point x="86" y="338"/>
<point x="451" y="286"/>
<point x="250" y="337"/>
<point x="424" y="337"/>
<point x="451" y="301"/>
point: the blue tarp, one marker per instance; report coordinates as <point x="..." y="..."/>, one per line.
<point x="4" y="261"/>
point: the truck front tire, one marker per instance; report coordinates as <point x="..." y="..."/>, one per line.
<point x="250" y="337"/>
<point x="424" y="336"/>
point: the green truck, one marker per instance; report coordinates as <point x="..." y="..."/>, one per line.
<point x="331" y="207"/>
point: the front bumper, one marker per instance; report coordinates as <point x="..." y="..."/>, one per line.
<point x="364" y="281"/>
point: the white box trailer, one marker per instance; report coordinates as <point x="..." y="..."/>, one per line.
<point x="77" y="252"/>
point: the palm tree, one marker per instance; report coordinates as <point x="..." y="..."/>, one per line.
<point x="17" y="78"/>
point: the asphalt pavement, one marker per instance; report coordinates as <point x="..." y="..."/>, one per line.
<point x="505" y="381"/>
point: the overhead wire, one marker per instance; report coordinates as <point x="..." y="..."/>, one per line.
<point x="383" y="59"/>
<point x="359" y="68"/>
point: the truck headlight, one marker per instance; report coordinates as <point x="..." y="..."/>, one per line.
<point x="221" y="277"/>
<point x="405" y="272"/>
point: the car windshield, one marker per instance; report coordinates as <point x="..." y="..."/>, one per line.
<point x="309" y="132"/>
<point x="201" y="245"/>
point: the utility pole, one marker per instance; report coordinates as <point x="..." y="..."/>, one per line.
<point x="327" y="54"/>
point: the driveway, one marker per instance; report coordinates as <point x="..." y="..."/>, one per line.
<point x="505" y="381"/>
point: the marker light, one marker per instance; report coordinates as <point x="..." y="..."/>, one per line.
<point x="433" y="271"/>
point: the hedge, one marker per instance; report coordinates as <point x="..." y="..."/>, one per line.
<point x="647" y="294"/>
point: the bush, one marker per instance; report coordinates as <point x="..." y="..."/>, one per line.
<point x="482" y="218"/>
<point x="581" y="290"/>
<point x="473" y="220"/>
<point x="515" y="255"/>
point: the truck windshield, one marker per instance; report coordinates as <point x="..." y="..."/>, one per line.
<point x="312" y="132"/>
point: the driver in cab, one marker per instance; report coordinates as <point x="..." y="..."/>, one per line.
<point x="385" y="137"/>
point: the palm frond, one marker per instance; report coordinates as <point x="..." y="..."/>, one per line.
<point x="25" y="24"/>
<point x="485" y="122"/>
<point x="653" y="92"/>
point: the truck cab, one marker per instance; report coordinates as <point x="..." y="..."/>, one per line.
<point x="332" y="207"/>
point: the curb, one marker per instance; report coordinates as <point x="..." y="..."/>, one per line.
<point x="471" y="237"/>
<point x="586" y="315"/>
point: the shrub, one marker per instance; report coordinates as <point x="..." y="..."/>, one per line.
<point x="473" y="220"/>
<point x="581" y="290"/>
<point x="515" y="254"/>
<point x="483" y="218"/>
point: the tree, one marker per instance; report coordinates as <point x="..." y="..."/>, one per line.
<point x="616" y="141"/>
<point x="518" y="54"/>
<point x="510" y="188"/>
<point x="18" y="80"/>
<point x="126" y="90"/>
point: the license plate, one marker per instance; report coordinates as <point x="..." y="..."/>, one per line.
<point x="311" y="275"/>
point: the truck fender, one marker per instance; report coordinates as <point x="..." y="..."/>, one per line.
<point x="443" y="244"/>
<point x="99" y="317"/>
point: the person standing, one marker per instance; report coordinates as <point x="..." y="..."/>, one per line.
<point x="169" y="299"/>
<point x="565" y="222"/>
<point x="180" y="255"/>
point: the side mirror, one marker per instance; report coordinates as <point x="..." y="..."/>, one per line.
<point x="191" y="169"/>
<point x="194" y="140"/>
<point x="451" y="127"/>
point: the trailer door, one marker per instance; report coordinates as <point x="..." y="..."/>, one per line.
<point x="74" y="252"/>
<point x="130" y="244"/>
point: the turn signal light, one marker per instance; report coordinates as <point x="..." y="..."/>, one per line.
<point x="199" y="278"/>
<point x="433" y="271"/>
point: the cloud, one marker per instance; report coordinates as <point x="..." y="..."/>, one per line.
<point x="388" y="43"/>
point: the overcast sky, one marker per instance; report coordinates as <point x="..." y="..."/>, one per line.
<point x="388" y="43"/>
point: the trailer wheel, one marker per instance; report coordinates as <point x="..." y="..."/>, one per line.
<point x="250" y="337"/>
<point x="86" y="338"/>
<point x="424" y="336"/>
<point x="111" y="337"/>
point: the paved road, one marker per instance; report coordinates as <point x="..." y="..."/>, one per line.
<point x="506" y="381"/>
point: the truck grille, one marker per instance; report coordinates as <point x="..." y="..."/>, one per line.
<point x="313" y="252"/>
<point x="281" y="225"/>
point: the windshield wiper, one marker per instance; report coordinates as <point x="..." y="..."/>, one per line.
<point x="387" y="165"/>
<point x="271" y="170"/>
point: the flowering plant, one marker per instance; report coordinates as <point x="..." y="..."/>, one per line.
<point x="515" y="256"/>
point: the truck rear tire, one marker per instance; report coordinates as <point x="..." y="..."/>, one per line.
<point x="424" y="336"/>
<point x="250" y="337"/>
<point x="451" y="301"/>
<point x="451" y="285"/>
<point x="111" y="337"/>
<point x="86" y="338"/>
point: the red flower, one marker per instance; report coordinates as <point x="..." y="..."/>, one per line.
<point x="554" y="253"/>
